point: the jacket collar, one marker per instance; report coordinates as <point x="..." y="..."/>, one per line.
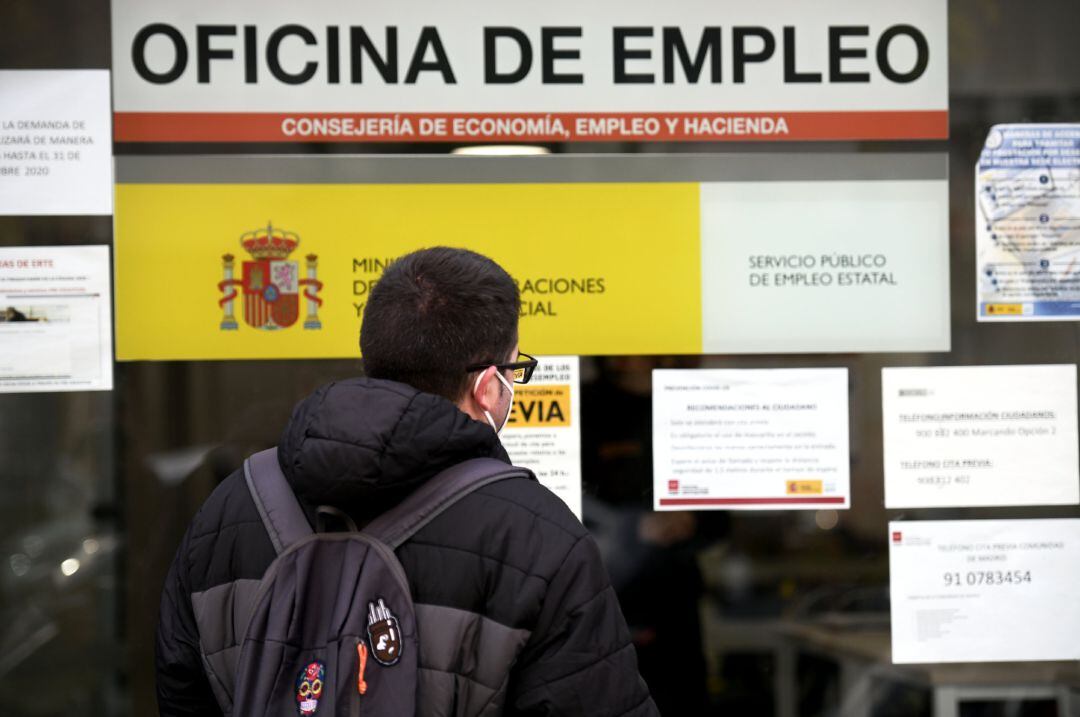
<point x="362" y="444"/>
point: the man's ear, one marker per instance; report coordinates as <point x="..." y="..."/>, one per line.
<point x="486" y="393"/>
<point x="482" y="395"/>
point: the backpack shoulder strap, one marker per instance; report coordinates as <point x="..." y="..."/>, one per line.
<point x="402" y="521"/>
<point x="274" y="499"/>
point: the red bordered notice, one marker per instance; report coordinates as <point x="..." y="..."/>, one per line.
<point x="750" y="439"/>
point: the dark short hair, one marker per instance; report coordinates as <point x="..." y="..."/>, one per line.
<point x="434" y="312"/>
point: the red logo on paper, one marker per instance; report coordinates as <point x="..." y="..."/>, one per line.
<point x="897" y="537"/>
<point x="673" y="486"/>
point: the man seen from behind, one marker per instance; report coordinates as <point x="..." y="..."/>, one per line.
<point x="541" y="630"/>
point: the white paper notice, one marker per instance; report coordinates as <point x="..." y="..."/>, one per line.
<point x="55" y="143"/>
<point x="964" y="436"/>
<point x="544" y="431"/>
<point x="750" y="438"/>
<point x="55" y="319"/>
<point x="985" y="590"/>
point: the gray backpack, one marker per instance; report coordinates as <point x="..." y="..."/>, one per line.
<point x="332" y="629"/>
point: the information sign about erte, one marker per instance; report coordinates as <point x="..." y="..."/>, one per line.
<point x="55" y="144"/>
<point x="544" y="430"/>
<point x="55" y="319"/>
<point x="1027" y="223"/>
<point x="984" y="590"/>
<point x="750" y="438"/>
<point x="559" y="71"/>
<point x="965" y="436"/>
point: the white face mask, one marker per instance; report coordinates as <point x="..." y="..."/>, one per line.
<point x="509" y="405"/>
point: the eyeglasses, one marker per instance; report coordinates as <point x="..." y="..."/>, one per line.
<point x="523" y="368"/>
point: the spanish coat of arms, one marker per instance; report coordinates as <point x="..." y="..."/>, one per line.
<point x="270" y="283"/>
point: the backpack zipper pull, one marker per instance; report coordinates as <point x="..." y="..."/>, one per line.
<point x="362" y="653"/>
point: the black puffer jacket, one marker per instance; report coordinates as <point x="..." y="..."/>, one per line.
<point x="542" y="633"/>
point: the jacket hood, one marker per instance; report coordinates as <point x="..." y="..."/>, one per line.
<point x="362" y="444"/>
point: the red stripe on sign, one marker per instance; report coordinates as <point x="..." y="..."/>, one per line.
<point x="751" y="501"/>
<point x="527" y="127"/>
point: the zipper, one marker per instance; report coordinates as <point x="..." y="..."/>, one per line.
<point x="361" y="684"/>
